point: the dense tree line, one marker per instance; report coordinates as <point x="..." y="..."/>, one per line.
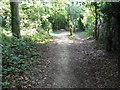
<point x="105" y="23"/>
<point x="108" y="24"/>
<point x="112" y="25"/>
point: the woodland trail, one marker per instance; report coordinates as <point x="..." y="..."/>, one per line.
<point x="75" y="63"/>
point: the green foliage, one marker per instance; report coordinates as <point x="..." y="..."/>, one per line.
<point x="75" y="16"/>
<point x="74" y="11"/>
<point x="80" y="25"/>
<point x="5" y="14"/>
<point x="71" y="37"/>
<point x="88" y="21"/>
<point x="40" y="19"/>
<point x="87" y="34"/>
<point x="18" y="57"/>
<point x="111" y="27"/>
<point x="59" y="16"/>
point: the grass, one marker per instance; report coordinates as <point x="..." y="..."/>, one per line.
<point x="56" y="32"/>
<point x="71" y="37"/>
<point x="86" y="35"/>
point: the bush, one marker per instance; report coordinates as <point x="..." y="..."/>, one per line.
<point x="17" y="57"/>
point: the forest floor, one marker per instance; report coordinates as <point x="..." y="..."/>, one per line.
<point x="75" y="63"/>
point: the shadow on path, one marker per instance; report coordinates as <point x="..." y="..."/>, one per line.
<point x="75" y="63"/>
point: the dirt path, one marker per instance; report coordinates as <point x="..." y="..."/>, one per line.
<point x="75" y="63"/>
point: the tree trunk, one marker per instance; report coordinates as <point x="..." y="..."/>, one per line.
<point x="98" y="34"/>
<point x="108" y="36"/>
<point x="96" y="22"/>
<point x="15" y="19"/>
<point x="118" y="34"/>
<point x="71" y="26"/>
<point x="74" y="28"/>
<point x="71" y="33"/>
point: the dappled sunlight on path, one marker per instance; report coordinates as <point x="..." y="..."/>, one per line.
<point x="75" y="63"/>
<point x="62" y="38"/>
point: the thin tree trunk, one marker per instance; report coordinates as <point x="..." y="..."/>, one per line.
<point x="72" y="27"/>
<point x="118" y="33"/>
<point x="108" y="36"/>
<point x="96" y="22"/>
<point x="15" y="19"/>
<point x="98" y="34"/>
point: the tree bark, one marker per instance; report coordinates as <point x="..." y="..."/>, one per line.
<point x="72" y="26"/>
<point x="108" y="36"/>
<point x="15" y="21"/>
<point x="96" y="21"/>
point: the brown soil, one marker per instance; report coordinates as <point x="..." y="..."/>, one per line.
<point x="76" y="63"/>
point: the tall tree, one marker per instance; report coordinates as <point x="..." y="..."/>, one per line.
<point x="96" y="21"/>
<point x="73" y="14"/>
<point x="95" y="6"/>
<point x="15" y="18"/>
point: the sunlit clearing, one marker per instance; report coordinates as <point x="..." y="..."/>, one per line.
<point x="61" y="34"/>
<point x="29" y="32"/>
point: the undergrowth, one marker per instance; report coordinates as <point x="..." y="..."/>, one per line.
<point x="18" y="55"/>
<point x="71" y="37"/>
<point x="86" y="34"/>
